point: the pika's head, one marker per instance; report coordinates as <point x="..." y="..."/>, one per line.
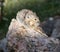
<point x="31" y="19"/>
<point x="28" y="17"/>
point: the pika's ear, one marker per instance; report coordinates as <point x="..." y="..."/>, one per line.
<point x="21" y="15"/>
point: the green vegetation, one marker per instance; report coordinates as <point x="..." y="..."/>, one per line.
<point x="43" y="8"/>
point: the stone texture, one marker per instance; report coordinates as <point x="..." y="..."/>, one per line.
<point x="56" y="30"/>
<point x="51" y="27"/>
<point x="48" y="25"/>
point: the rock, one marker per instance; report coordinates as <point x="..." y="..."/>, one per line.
<point x="48" y="25"/>
<point x="3" y="44"/>
<point x="52" y="27"/>
<point x="56" y="30"/>
<point x="25" y="35"/>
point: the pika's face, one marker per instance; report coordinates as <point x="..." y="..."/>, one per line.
<point x="32" y="20"/>
<point x="28" y="17"/>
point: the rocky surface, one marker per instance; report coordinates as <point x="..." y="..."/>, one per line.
<point x="48" y="25"/>
<point x="25" y="35"/>
<point x="56" y="30"/>
<point x="51" y="26"/>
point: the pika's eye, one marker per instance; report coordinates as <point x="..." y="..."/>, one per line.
<point x="35" y="19"/>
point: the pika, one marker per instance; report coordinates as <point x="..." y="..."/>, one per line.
<point x="30" y="20"/>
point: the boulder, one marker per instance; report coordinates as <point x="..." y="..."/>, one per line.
<point x="56" y="30"/>
<point x="48" y="25"/>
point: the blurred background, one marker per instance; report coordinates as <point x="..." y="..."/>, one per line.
<point x="9" y="8"/>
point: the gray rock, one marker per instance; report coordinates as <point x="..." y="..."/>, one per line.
<point x="56" y="30"/>
<point x="48" y="25"/>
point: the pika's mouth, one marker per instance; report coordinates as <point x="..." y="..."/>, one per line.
<point x="34" y="24"/>
<point x="31" y="23"/>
